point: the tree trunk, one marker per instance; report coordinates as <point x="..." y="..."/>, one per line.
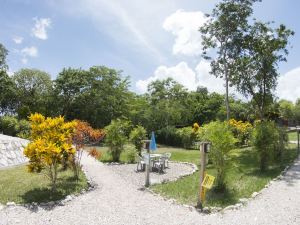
<point x="227" y="95"/>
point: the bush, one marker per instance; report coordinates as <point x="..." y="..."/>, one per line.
<point x="51" y="142"/>
<point x="130" y="155"/>
<point x="116" y="137"/>
<point x="168" y="136"/>
<point x="242" y="131"/>
<point x="187" y="136"/>
<point x="137" y="135"/>
<point x="10" y="125"/>
<point x="94" y="153"/>
<point x="269" y="142"/>
<point x="222" y="141"/>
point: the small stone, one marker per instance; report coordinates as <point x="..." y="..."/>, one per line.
<point x="10" y="204"/>
<point x="1" y="207"/>
<point x="52" y="203"/>
<point x="238" y="205"/>
<point x="231" y="207"/>
<point x="68" y="198"/>
<point x="254" y="194"/>
<point x="206" y="210"/>
<point x="243" y="200"/>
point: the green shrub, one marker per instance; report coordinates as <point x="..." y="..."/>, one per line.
<point x="169" y="136"/>
<point x="9" y="125"/>
<point x="23" y="128"/>
<point x="187" y="136"/>
<point x="137" y="135"/>
<point x="116" y="137"/>
<point x="222" y="141"/>
<point x="265" y="140"/>
<point x="130" y="154"/>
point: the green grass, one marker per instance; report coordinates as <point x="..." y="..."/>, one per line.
<point x="20" y="186"/>
<point x="243" y="177"/>
<point x="292" y="136"/>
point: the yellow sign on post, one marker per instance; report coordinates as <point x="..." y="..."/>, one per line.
<point x="208" y="181"/>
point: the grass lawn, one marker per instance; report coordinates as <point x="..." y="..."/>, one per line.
<point x="243" y="177"/>
<point x="292" y="136"/>
<point x="20" y="186"/>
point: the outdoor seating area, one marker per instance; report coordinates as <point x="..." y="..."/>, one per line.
<point x="158" y="162"/>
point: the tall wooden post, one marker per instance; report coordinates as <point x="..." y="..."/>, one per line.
<point x="298" y="133"/>
<point x="148" y="166"/>
<point x="202" y="173"/>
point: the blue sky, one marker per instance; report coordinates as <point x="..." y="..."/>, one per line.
<point x="146" y="39"/>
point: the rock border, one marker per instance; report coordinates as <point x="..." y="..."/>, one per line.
<point x="52" y="204"/>
<point x="209" y="210"/>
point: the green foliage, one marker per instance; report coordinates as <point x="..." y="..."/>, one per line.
<point x="222" y="141"/>
<point x="286" y="109"/>
<point x="222" y="33"/>
<point x="255" y="71"/>
<point x="265" y="141"/>
<point x="187" y="136"/>
<point x="130" y="154"/>
<point x="11" y="126"/>
<point x="168" y="136"/>
<point x="33" y="89"/>
<point x="136" y="136"/>
<point x="96" y="95"/>
<point x="116" y="137"/>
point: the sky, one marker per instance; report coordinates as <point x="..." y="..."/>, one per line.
<point x="147" y="39"/>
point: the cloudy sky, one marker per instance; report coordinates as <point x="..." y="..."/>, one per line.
<point x="147" y="39"/>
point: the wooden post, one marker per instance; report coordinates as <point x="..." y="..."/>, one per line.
<point x="202" y="173"/>
<point x="298" y="130"/>
<point x="148" y="166"/>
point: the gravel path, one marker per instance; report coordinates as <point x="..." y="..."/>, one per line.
<point x="118" y="201"/>
<point x="175" y="170"/>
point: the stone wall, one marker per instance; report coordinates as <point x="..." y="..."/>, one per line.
<point x="11" y="151"/>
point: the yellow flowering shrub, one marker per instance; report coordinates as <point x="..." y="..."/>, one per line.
<point x="241" y="130"/>
<point x="50" y="144"/>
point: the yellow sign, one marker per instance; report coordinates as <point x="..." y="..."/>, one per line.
<point x="208" y="181"/>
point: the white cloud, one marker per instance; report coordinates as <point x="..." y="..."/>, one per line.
<point x="24" y="61"/>
<point x="18" y="40"/>
<point x="288" y="85"/>
<point x="181" y="73"/>
<point x="184" y="26"/>
<point x="30" y="51"/>
<point x="186" y="76"/>
<point x="40" y="28"/>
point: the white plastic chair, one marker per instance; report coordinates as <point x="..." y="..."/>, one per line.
<point x="167" y="156"/>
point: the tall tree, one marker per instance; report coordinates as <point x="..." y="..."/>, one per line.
<point x="33" y="91"/>
<point x="222" y="36"/>
<point x="7" y="87"/>
<point x="255" y="72"/>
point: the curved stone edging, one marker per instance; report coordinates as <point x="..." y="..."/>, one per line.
<point x="242" y="201"/>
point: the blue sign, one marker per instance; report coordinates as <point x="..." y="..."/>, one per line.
<point x="152" y="142"/>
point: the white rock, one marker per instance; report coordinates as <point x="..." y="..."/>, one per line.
<point x="243" y="200"/>
<point x="254" y="194"/>
<point x="230" y="207"/>
<point x="10" y="204"/>
<point x="1" y="207"/>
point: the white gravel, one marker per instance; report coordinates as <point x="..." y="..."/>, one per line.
<point x="175" y="170"/>
<point x="117" y="201"/>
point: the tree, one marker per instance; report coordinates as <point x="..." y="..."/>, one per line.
<point x="84" y="134"/>
<point x="167" y="99"/>
<point x="97" y="95"/>
<point x="50" y="144"/>
<point x="255" y="71"/>
<point x="7" y="87"/>
<point x="222" y="141"/>
<point x="286" y="109"/>
<point x="137" y="135"/>
<point x="223" y="33"/>
<point x="116" y="137"/>
<point x="34" y="88"/>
